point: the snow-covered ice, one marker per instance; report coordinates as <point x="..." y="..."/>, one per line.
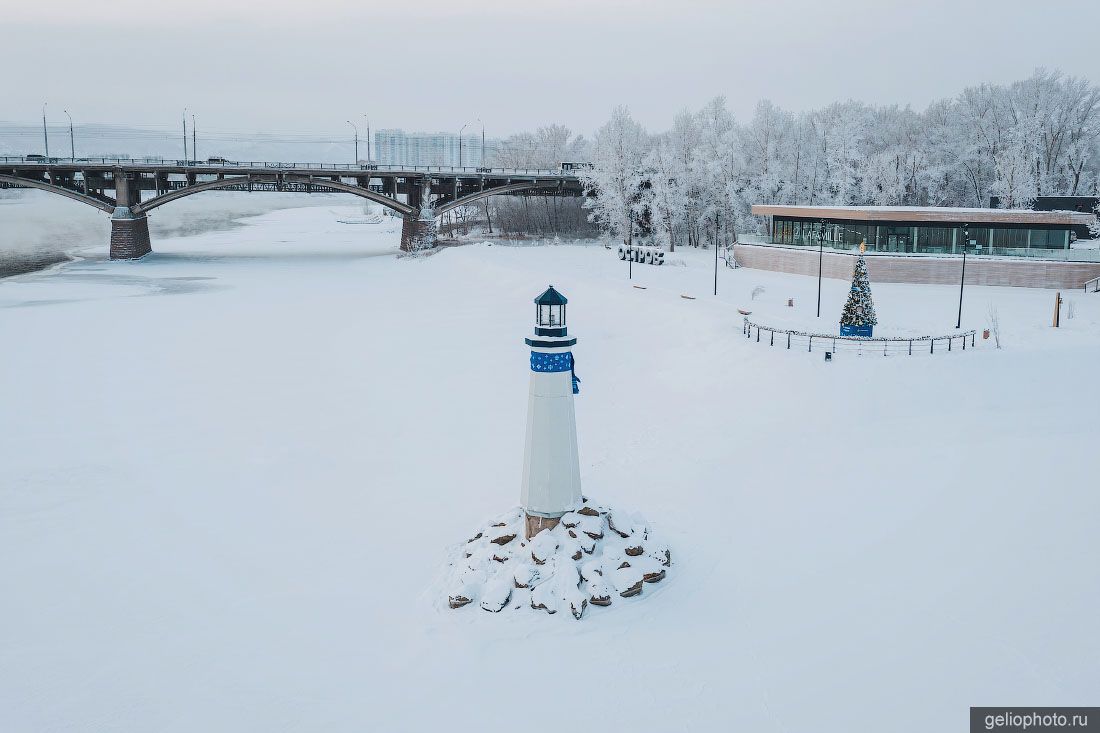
<point x="230" y="475"/>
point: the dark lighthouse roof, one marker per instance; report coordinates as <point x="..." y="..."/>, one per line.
<point x="551" y="297"/>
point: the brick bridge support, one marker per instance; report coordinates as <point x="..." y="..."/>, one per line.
<point x="129" y="231"/>
<point x="418" y="230"/>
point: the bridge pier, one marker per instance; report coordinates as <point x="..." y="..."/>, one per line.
<point x="129" y="235"/>
<point x="129" y="231"/>
<point x="417" y="232"/>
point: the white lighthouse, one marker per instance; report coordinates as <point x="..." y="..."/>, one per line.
<point x="551" y="466"/>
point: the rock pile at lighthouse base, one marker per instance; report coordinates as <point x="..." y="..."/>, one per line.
<point x="596" y="556"/>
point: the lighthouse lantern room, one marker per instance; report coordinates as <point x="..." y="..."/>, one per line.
<point x="551" y="465"/>
<point x="550" y="313"/>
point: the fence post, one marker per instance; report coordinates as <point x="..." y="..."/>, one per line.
<point x="811" y="344"/>
<point x="910" y="347"/>
<point x="949" y="340"/>
<point x="773" y="339"/>
<point x="933" y="349"/>
<point x="884" y="343"/>
<point x="758" y="334"/>
<point x="972" y="336"/>
<point x="964" y="342"/>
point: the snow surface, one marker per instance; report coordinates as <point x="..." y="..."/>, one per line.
<point x="230" y="475"/>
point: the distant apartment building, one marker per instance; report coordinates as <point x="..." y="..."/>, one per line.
<point x="397" y="147"/>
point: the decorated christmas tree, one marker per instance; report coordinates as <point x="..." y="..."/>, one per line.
<point x="858" y="318"/>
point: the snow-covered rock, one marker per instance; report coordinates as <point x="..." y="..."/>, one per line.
<point x="594" y="555"/>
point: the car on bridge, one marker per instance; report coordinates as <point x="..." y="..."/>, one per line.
<point x="217" y="160"/>
<point x="572" y="167"/>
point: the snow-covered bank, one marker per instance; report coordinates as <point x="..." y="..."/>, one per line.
<point x="230" y="473"/>
<point x="38" y="229"/>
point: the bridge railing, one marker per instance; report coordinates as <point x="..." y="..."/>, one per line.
<point x="279" y="165"/>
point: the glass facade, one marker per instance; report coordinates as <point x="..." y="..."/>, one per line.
<point x="919" y="237"/>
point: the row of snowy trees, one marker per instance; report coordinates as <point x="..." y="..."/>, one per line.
<point x="540" y="216"/>
<point x="1034" y="137"/>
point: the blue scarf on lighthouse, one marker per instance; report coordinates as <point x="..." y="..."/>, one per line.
<point x="541" y="362"/>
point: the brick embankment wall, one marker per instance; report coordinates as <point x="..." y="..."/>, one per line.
<point x="130" y="238"/>
<point x="928" y="270"/>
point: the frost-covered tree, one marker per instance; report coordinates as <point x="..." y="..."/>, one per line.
<point x="1035" y="137"/>
<point x="668" y="199"/>
<point x="546" y="147"/>
<point x="619" y="181"/>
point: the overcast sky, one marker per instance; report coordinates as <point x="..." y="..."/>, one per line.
<point x="309" y="65"/>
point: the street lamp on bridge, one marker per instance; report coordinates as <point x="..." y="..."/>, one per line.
<point x="482" y="141"/>
<point x="460" y="143"/>
<point x="45" y="137"/>
<point x="183" y="118"/>
<point x="72" y="141"/>
<point x="353" y="127"/>
<point x="368" y="138"/>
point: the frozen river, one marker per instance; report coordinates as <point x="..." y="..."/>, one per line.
<point x="230" y="475"/>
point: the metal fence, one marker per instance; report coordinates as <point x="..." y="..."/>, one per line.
<point x="832" y="343"/>
<point x="1093" y="285"/>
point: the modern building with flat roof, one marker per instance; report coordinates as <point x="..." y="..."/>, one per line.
<point x="1013" y="247"/>
<point x="926" y="230"/>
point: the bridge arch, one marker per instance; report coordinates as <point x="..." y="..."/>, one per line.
<point x="107" y="206"/>
<point x="164" y="198"/>
<point x="507" y="188"/>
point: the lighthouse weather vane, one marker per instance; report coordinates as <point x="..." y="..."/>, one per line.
<point x="551" y="466"/>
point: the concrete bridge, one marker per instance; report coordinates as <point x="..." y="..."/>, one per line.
<point x="418" y="193"/>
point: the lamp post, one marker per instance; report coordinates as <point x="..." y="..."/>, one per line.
<point x="356" y="129"/>
<point x="194" y="140"/>
<point x="183" y="117"/>
<point x="368" y="138"/>
<point x="629" y="245"/>
<point x="716" y="253"/>
<point x="962" y="280"/>
<point x="820" y="258"/>
<point x="482" y="141"/>
<point x="45" y="137"/>
<point x="72" y="141"/>
<point x="462" y="130"/>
